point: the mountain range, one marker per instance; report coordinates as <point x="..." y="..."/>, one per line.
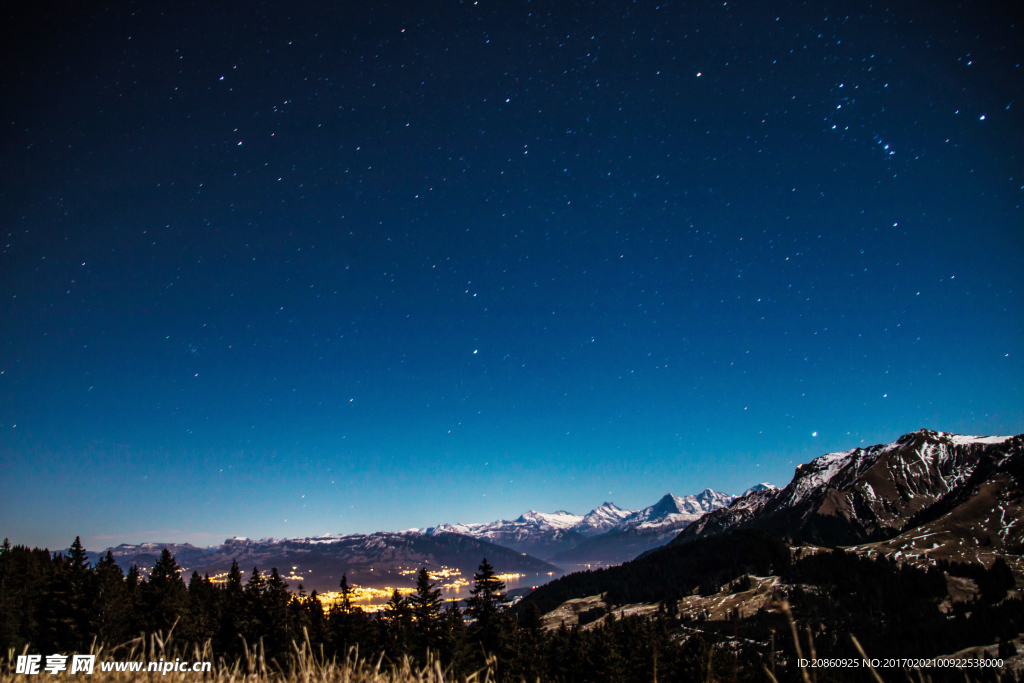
<point x="926" y="497"/>
<point x="874" y="494"/>
<point x="374" y="560"/>
<point x="648" y="529"/>
<point x="606" y="535"/>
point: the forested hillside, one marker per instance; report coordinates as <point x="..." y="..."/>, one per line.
<point x="59" y="603"/>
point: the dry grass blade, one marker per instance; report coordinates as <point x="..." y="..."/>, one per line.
<point x="814" y="654"/>
<point x="856" y="644"/>
<point x="784" y="608"/>
<point x="304" y="666"/>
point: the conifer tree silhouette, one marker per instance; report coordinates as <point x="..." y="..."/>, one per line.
<point x="425" y="604"/>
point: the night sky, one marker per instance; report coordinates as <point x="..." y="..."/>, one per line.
<point x="298" y="268"/>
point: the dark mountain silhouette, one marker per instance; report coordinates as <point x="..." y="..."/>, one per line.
<point x="862" y="495"/>
<point x="368" y="560"/>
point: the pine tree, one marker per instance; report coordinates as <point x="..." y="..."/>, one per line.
<point x="348" y="625"/>
<point x="426" y="601"/>
<point x="487" y="604"/>
<point x="486" y="599"/>
<point x="78" y="560"/>
<point x="13" y="607"/>
<point x="254" y="613"/>
<point x="279" y="629"/>
<point x="232" y="613"/>
<point x="255" y="585"/>
<point x="166" y="569"/>
<point x="346" y="595"/>
<point x="531" y="621"/>
<point x="234" y="576"/>
<point x="313" y="619"/>
<point x="133" y="590"/>
<point x="203" y="607"/>
<point x="396" y="607"/>
<point x="132" y="578"/>
<point x="164" y="595"/>
<point x="425" y="604"/>
<point x="453" y="648"/>
<point x="529" y="647"/>
<point x="111" y="614"/>
<point x="398" y="622"/>
<point x="83" y="589"/>
<point x="67" y="601"/>
<point x="277" y="590"/>
<point x="22" y="579"/>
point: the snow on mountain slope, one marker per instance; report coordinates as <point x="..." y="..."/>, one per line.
<point x="644" y="530"/>
<point x="962" y="440"/>
<point x="547" y="535"/>
<point x="603" y="519"/>
<point x="676" y="511"/>
<point x="536" y="533"/>
<point x="516" y="544"/>
<point x="554" y="520"/>
<point x="737" y="513"/>
<point x="977" y="521"/>
<point x="859" y="495"/>
<point x="763" y="486"/>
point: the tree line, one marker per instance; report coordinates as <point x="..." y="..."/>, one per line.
<point x="60" y="603"/>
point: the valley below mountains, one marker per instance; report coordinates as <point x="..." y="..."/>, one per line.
<point x="531" y="549"/>
<point x="927" y="496"/>
<point x="914" y="547"/>
<point x="604" y="536"/>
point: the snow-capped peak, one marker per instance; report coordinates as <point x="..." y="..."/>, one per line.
<point x="554" y="520"/>
<point x="545" y="534"/>
<point x="604" y="518"/>
<point x="672" y="509"/>
<point x="763" y="486"/>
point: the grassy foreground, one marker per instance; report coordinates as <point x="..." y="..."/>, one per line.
<point x="304" y="666"/>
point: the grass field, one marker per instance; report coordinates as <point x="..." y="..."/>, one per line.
<point x="304" y="666"/>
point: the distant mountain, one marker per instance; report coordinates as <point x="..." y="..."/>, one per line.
<point x="674" y="511"/>
<point x="759" y="487"/>
<point x="545" y="534"/>
<point x="605" y="535"/>
<point x="866" y="494"/>
<point x="926" y="496"/>
<point x="369" y="560"/>
<point x="643" y="530"/>
<point x="534" y="533"/>
<point x="608" y="517"/>
<point x="145" y="555"/>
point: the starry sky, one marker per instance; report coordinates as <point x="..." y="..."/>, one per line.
<point x="299" y="268"/>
